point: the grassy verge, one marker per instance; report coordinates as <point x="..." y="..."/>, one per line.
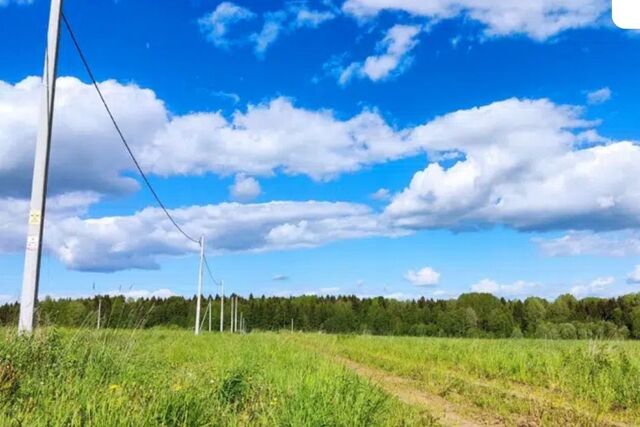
<point x="159" y="377"/>
<point x="520" y="381"/>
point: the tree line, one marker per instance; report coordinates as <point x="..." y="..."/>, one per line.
<point x="470" y="315"/>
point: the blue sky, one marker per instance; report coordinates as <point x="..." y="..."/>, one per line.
<point x="370" y="147"/>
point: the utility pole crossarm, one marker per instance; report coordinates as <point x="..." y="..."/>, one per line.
<point x="33" y="253"/>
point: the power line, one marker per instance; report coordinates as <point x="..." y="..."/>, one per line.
<point x="206" y="264"/>
<point x="117" y="127"/>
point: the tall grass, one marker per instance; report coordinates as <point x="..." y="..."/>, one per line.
<point x="161" y="377"/>
<point x="509" y="376"/>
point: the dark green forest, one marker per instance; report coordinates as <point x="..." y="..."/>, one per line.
<point x="470" y="315"/>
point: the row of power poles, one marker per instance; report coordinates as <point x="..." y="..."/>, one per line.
<point x="236" y="324"/>
<point x="35" y="230"/>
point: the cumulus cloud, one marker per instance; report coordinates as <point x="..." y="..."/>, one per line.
<point x="245" y="188"/>
<point x="519" y="288"/>
<point x="520" y="164"/>
<point x="517" y="163"/>
<point x="14" y="214"/>
<point x="381" y="194"/>
<point x="139" y="240"/>
<point x="85" y="153"/>
<point x="392" y="60"/>
<point x="426" y="276"/>
<point x="538" y="20"/>
<point x="634" y="276"/>
<point x="618" y="243"/>
<point x="274" y="136"/>
<point x="597" y="287"/>
<point x="599" y="96"/>
<point x="215" y="25"/>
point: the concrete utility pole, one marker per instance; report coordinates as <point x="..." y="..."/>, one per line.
<point x="235" y="315"/>
<point x="33" y="253"/>
<point x="209" y="308"/>
<point x="198" y="298"/>
<point x="231" y="314"/>
<point x="222" y="307"/>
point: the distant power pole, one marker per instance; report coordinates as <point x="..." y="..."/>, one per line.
<point x="99" y="313"/>
<point x="292" y="324"/>
<point x="198" y="298"/>
<point x="235" y="315"/>
<point x="33" y="253"/>
<point x="209" y="308"/>
<point x="231" y="314"/>
<point x="222" y="307"/>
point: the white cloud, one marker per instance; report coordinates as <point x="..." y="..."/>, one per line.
<point x="273" y="136"/>
<point x="426" y="276"/>
<point x="520" y="164"/>
<point x="138" y="240"/>
<point x="143" y="293"/>
<point x="634" y="276"/>
<point x="233" y="97"/>
<point x="598" y="287"/>
<point x="599" y="96"/>
<point x="392" y="60"/>
<point x="273" y="26"/>
<point x="519" y="288"/>
<point x="486" y="285"/>
<point x="311" y="18"/>
<point x="381" y="194"/>
<point x="517" y="163"/>
<point x="245" y="188"/>
<point x="14" y="216"/>
<point x="293" y="17"/>
<point x="4" y="3"/>
<point x="611" y="243"/>
<point x="5" y="298"/>
<point x="215" y="25"/>
<point x="538" y="20"/>
<point x="86" y="155"/>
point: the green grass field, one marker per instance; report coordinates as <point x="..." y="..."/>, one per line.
<point x="166" y="377"/>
